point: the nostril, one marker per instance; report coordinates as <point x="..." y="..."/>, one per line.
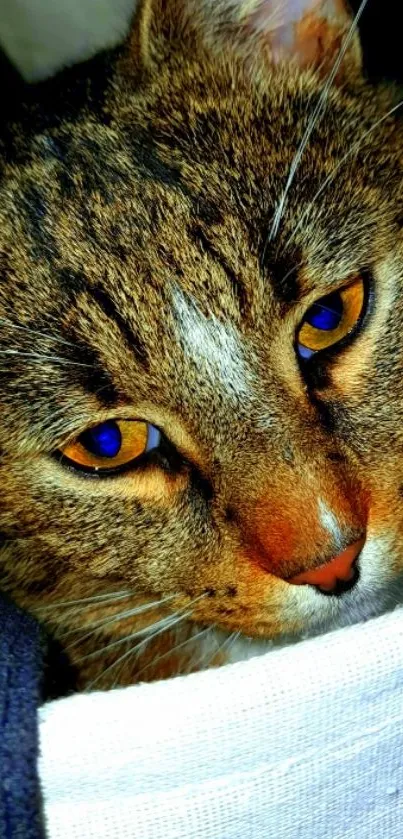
<point x="340" y="570"/>
<point x="342" y="585"/>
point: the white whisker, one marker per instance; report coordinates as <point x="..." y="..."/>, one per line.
<point x="119" y="595"/>
<point x="137" y="647"/>
<point x="164" y="623"/>
<point x="320" y="107"/>
<point x="226" y="645"/>
<point x="36" y="333"/>
<point x="42" y="357"/>
<point x="159" y="658"/>
<point x="355" y="147"/>
<point x="161" y="626"/>
<point x="129" y="613"/>
<point x="115" y="682"/>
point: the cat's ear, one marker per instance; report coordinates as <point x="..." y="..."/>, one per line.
<point x="140" y="34"/>
<point x="157" y="26"/>
<point x="312" y="33"/>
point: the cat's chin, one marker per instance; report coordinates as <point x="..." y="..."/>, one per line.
<point x="244" y="647"/>
<point x="372" y="595"/>
<point x="192" y="647"/>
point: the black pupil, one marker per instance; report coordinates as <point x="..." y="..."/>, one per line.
<point x="326" y="314"/>
<point x="105" y="440"/>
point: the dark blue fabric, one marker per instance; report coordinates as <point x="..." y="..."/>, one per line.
<point x="21" y="666"/>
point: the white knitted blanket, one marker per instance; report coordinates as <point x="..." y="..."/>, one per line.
<point x="305" y="742"/>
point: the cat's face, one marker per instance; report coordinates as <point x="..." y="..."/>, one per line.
<point x="143" y="296"/>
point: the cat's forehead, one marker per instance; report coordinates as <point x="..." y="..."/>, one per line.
<point x="204" y="148"/>
<point x="193" y="177"/>
<point x="150" y="231"/>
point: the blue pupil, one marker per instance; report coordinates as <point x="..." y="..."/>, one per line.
<point x="104" y="440"/>
<point x="326" y="314"/>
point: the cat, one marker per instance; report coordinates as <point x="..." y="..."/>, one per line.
<point x="201" y="359"/>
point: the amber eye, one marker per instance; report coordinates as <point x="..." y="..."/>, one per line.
<point x="331" y="318"/>
<point x="111" y="445"/>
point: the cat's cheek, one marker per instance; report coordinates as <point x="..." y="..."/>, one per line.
<point x="385" y="521"/>
<point x="240" y="595"/>
<point x="351" y="371"/>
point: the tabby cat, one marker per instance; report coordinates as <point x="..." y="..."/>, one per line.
<point x="201" y="321"/>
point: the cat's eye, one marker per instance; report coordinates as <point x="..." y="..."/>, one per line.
<point x="331" y="319"/>
<point x="111" y="445"/>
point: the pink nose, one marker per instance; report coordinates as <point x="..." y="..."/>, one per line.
<point x="327" y="576"/>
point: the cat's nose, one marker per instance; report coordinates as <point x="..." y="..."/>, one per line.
<point x="337" y="575"/>
<point x="306" y="539"/>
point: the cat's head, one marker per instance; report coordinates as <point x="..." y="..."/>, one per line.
<point x="201" y="360"/>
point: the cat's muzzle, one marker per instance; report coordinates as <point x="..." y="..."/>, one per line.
<point x="334" y="577"/>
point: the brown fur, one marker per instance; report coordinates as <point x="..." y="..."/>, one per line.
<point x="167" y="179"/>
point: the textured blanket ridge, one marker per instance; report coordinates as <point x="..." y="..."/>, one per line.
<point x="305" y="742"/>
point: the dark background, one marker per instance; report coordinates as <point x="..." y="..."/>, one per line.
<point x="381" y="38"/>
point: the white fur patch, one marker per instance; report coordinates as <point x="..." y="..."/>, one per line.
<point x="245" y="648"/>
<point x="214" y="348"/>
<point x="375" y="562"/>
<point x="329" y="522"/>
